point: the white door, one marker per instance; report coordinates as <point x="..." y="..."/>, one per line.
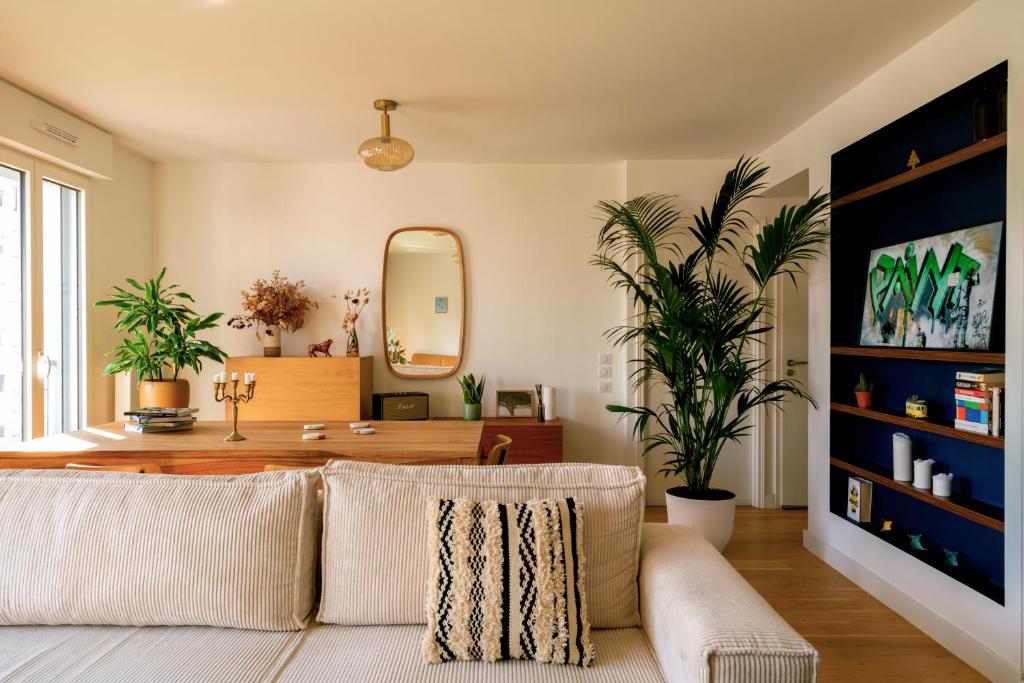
<point x="792" y="421"/>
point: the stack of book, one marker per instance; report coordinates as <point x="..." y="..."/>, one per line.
<point x="153" y="420"/>
<point x="979" y="398"/>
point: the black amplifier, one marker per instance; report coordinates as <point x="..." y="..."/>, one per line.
<point x="401" y="405"/>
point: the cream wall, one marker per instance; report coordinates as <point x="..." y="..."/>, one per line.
<point x="217" y="227"/>
<point x="986" y="635"/>
<point x="117" y="245"/>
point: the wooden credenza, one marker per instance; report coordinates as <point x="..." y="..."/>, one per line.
<point x="306" y="389"/>
<point x="532" y="441"/>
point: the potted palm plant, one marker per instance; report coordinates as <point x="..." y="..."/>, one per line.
<point x="696" y="322"/>
<point x="162" y="339"/>
<point x="472" y="396"/>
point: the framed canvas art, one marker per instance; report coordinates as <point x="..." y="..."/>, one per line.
<point x="935" y="292"/>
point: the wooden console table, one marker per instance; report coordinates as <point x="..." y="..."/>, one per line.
<point x="204" y="451"/>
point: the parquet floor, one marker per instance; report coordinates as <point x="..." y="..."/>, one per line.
<point x="859" y="638"/>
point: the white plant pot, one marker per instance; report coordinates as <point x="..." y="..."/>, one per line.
<point x="713" y="519"/>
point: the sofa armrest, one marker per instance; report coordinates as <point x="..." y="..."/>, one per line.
<point x="706" y="623"/>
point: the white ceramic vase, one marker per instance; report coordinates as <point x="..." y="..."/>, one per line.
<point x="272" y="341"/>
<point x="713" y="519"/>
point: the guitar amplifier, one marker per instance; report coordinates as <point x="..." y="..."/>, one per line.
<point x="401" y="405"/>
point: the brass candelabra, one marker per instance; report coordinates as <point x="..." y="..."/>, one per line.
<point x="220" y="394"/>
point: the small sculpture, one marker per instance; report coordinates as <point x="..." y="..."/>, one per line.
<point x="355" y="301"/>
<point x="323" y="347"/>
<point x="913" y="161"/>
<point x="915" y="542"/>
<point x="952" y="558"/>
<point x="886" y="525"/>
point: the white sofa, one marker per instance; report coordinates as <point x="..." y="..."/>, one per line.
<point x="94" y="563"/>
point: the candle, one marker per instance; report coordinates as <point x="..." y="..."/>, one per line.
<point x="234" y="376"/>
<point x="248" y="378"/>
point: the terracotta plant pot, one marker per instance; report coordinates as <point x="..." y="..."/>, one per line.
<point x="713" y="516"/>
<point x="472" y="411"/>
<point x="864" y="398"/>
<point x="172" y="393"/>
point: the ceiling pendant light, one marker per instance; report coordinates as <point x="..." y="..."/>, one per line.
<point x="386" y="153"/>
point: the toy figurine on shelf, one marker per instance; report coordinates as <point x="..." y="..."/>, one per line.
<point x="952" y="558"/>
<point x="916" y="543"/>
<point x="323" y="347"/>
<point x="355" y="301"/>
<point x="886" y="526"/>
<point x="917" y="408"/>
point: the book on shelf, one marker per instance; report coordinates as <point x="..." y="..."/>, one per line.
<point x="982" y="375"/>
<point x="967" y="426"/>
<point x="979" y="399"/>
<point x="858" y="499"/>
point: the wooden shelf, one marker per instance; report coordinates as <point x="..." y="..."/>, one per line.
<point x="981" y="513"/>
<point x="920" y="425"/>
<point x="957" y="157"/>
<point x="935" y="355"/>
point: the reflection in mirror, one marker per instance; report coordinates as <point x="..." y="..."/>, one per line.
<point x="423" y="302"/>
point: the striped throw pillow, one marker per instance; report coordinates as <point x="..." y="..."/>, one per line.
<point x="506" y="582"/>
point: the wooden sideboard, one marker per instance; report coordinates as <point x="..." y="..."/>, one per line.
<point x="532" y="441"/>
<point x="306" y="389"/>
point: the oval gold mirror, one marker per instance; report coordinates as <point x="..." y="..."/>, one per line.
<point x="423" y="303"/>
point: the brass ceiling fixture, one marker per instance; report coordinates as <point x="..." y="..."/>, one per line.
<point x="386" y="153"/>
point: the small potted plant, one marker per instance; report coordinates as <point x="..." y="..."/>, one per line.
<point x="472" y="396"/>
<point x="864" y="392"/>
<point x="275" y="305"/>
<point x="162" y="339"/>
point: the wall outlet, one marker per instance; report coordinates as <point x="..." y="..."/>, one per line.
<point x="604" y="359"/>
<point x="604" y="371"/>
<point x="604" y="387"/>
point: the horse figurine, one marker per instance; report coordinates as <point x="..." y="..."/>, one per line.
<point x="323" y="347"/>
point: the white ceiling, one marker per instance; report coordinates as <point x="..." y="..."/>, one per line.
<point x="476" y="80"/>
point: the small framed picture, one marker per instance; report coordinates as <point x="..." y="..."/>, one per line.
<point x="516" y="402"/>
<point x="440" y="304"/>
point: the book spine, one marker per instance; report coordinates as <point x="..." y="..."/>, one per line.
<point x="997" y="408"/>
<point x="971" y="402"/>
<point x="971" y="426"/>
<point x="965" y="391"/>
<point x="980" y="376"/>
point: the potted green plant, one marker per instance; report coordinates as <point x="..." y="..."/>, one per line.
<point x="696" y="322"/>
<point x="472" y="396"/>
<point x="161" y="339"/>
<point x="864" y="392"/>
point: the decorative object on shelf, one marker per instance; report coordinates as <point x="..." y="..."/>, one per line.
<point x="923" y="474"/>
<point x="395" y="352"/>
<point x="323" y="347"/>
<point x="472" y="396"/>
<point x="886" y="526"/>
<point x="162" y="335"/>
<point x="858" y="499"/>
<point x="864" y="392"/>
<point x="540" y="402"/>
<point x="276" y="305"/>
<point x="916" y="408"/>
<point x="355" y="302"/>
<point x="915" y="542"/>
<point x="945" y="283"/>
<point x="942" y="484"/>
<point x="952" y="558"/>
<point x="515" y="403"/>
<point x="386" y="153"/>
<point x="440" y="304"/>
<point x="902" y="460"/>
<point x="913" y="161"/>
<point x="696" y="317"/>
<point x="220" y="381"/>
<point x="548" y="401"/>
<point x="988" y="113"/>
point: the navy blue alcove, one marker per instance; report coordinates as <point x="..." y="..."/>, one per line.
<point x="969" y="193"/>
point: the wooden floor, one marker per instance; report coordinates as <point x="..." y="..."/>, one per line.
<point x="859" y="638"/>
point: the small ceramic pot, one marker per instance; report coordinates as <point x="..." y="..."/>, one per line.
<point x="864" y="398"/>
<point x="472" y="411"/>
<point x="272" y="341"/>
<point x="172" y="393"/>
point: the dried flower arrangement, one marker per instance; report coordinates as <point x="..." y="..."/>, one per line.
<point x="274" y="302"/>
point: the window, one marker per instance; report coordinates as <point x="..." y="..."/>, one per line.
<point x="42" y="216"/>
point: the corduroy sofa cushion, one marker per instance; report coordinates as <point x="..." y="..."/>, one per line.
<point x="149" y="549"/>
<point x="375" y="556"/>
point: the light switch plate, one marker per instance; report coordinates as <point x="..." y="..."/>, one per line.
<point x="604" y="359"/>
<point x="604" y="387"/>
<point x="604" y="371"/>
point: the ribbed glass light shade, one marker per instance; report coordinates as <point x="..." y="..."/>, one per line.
<point x="386" y="154"/>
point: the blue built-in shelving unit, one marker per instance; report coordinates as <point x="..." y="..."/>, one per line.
<point x="877" y="202"/>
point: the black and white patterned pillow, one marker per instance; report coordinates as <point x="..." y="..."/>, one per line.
<point x="507" y="582"/>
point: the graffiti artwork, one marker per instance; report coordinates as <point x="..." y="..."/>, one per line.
<point x="935" y="292"/>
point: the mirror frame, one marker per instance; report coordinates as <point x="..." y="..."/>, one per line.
<point x="384" y="302"/>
